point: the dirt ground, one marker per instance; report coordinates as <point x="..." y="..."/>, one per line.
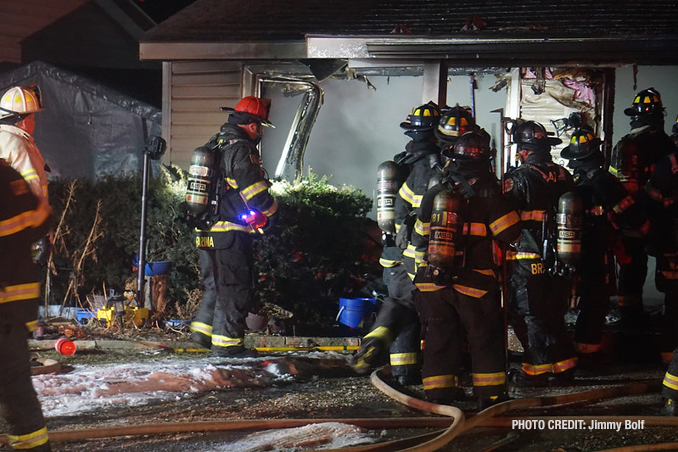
<point x="343" y="395"/>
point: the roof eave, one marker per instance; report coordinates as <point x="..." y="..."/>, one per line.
<point x="172" y="51"/>
<point x="509" y="50"/>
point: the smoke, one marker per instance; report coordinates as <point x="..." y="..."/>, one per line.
<point x="358" y="127"/>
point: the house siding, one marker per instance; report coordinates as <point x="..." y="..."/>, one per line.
<point x="195" y="91"/>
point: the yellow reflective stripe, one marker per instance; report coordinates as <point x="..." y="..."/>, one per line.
<point x="254" y="189"/>
<point x="397" y="227"/>
<point x="669" y="274"/>
<point x="18" y="292"/>
<point x="440" y="381"/>
<point x="32" y="325"/>
<point x="421" y="228"/>
<point x="24" y="220"/>
<point x="225" y="341"/>
<point x="587" y="348"/>
<point x="538" y="369"/>
<point x="419" y="255"/>
<point x="469" y="291"/>
<point x="629" y="300"/>
<point x="30" y="440"/>
<point x="674" y="163"/>
<point x="428" y="287"/>
<point x="230" y="181"/>
<point x="670" y="381"/>
<point x="271" y="210"/>
<point x="403" y="359"/>
<point x="407" y="194"/>
<point x="653" y="193"/>
<point x="534" y="215"/>
<point x="489" y="379"/>
<point x="500" y="225"/>
<point x="623" y="204"/>
<point x="29" y="174"/>
<point x="512" y="255"/>
<point x="388" y="263"/>
<point x="410" y="251"/>
<point x="226" y="226"/>
<point x="487" y="272"/>
<point x="477" y="229"/>
<point x="562" y="366"/>
<point x="203" y="328"/>
<point x="381" y="332"/>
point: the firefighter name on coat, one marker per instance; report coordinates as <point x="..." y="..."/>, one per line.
<point x="204" y="242"/>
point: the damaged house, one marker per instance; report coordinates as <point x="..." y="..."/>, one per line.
<point x="366" y="63"/>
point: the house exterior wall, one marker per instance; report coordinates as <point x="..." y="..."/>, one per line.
<point x="193" y="92"/>
<point x="19" y="19"/>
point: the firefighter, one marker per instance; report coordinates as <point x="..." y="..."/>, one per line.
<point x="662" y="243"/>
<point x="610" y="214"/>
<point x="632" y="161"/>
<point x="457" y="296"/>
<point x="18" y="106"/>
<point x="397" y="324"/>
<point x="538" y="297"/>
<point x="670" y="387"/>
<point x="454" y="123"/>
<point x="244" y="209"/>
<point x="23" y="220"/>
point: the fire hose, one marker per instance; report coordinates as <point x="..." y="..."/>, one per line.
<point x="455" y="422"/>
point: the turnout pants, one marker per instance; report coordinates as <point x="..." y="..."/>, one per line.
<point x="446" y="317"/>
<point x="594" y="288"/>
<point x="398" y="314"/>
<point x="18" y="401"/>
<point x="538" y="303"/>
<point x="670" y="383"/>
<point x="227" y="277"/>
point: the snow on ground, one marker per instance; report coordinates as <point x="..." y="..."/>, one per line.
<point x="92" y="387"/>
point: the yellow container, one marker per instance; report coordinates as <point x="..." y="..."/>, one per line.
<point x="137" y="315"/>
<point x="105" y="314"/>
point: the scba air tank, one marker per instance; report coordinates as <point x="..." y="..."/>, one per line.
<point x="569" y="223"/>
<point x="445" y="227"/>
<point x="199" y="180"/>
<point x="387" y="190"/>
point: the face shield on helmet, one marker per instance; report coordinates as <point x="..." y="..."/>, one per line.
<point x="422" y="118"/>
<point x="21" y="101"/>
<point x="454" y="123"/>
<point x="583" y="144"/>
<point x="532" y="136"/>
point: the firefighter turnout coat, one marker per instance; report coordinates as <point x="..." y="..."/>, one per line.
<point x="18" y="148"/>
<point x="538" y="300"/>
<point x="610" y="214"/>
<point x="633" y="160"/>
<point x="662" y="242"/>
<point x="226" y="248"/>
<point x="397" y="321"/>
<point x="464" y="297"/>
<point x="23" y="220"/>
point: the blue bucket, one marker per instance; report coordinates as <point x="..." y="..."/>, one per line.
<point x="357" y="313"/>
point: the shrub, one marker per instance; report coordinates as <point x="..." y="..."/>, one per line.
<point x="322" y="247"/>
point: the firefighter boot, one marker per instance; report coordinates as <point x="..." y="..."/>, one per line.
<point x="373" y="353"/>
<point x="670" y="407"/>
<point x="486" y="403"/>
